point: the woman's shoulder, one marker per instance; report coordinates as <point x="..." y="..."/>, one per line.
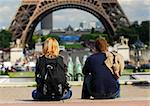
<point x="93" y="56"/>
<point x="40" y="57"/>
<point x="40" y="60"/>
<point x="60" y="57"/>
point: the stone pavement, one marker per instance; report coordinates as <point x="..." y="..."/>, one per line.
<point x="130" y="96"/>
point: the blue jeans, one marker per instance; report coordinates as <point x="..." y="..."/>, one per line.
<point x="38" y="96"/>
<point x="86" y="90"/>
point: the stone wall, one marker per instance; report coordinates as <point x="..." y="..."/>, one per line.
<point x="145" y="55"/>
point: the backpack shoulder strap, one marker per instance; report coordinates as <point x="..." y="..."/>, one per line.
<point x="114" y="57"/>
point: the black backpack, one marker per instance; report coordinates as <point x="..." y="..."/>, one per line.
<point x="51" y="77"/>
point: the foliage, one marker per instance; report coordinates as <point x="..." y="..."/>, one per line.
<point x="92" y="30"/>
<point x="144" y="31"/>
<point x="93" y="36"/>
<point x="3" y="73"/>
<point x="5" y="39"/>
<point x="127" y="32"/>
<point x="85" y="37"/>
<point x="57" y="37"/>
<point x="43" y="38"/>
<point x="35" y="38"/>
<point x="134" y="32"/>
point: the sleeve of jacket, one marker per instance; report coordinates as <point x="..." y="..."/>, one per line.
<point x="37" y="68"/>
<point x="86" y="68"/>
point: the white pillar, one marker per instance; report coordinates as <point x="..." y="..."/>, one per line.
<point x="15" y="54"/>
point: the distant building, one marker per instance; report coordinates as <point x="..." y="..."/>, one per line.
<point x="69" y="30"/>
<point x="47" y="23"/>
<point x="90" y="25"/>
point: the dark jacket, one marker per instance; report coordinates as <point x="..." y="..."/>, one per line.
<point x="103" y="82"/>
<point x="41" y="70"/>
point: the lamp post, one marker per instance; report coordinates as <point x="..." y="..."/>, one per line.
<point x="138" y="45"/>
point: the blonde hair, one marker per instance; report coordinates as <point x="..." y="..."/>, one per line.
<point x="101" y="45"/>
<point x="51" y="48"/>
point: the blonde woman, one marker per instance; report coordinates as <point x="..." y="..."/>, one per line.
<point x="50" y="74"/>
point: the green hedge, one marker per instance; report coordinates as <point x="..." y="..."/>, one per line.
<point x="3" y="73"/>
<point x="92" y="36"/>
<point x="73" y="46"/>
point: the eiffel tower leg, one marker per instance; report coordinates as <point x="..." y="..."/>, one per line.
<point x="21" y="20"/>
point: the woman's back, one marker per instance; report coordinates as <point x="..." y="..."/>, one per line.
<point x="103" y="82"/>
<point x="50" y="74"/>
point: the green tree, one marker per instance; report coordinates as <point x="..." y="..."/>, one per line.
<point x="92" y="30"/>
<point x="135" y="31"/>
<point x="144" y="32"/>
<point x="50" y="36"/>
<point x="57" y="37"/>
<point x="85" y="37"/>
<point x="5" y="39"/>
<point x="131" y="32"/>
<point x="93" y="36"/>
<point x="35" y="38"/>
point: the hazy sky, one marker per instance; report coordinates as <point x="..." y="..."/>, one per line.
<point x="135" y="10"/>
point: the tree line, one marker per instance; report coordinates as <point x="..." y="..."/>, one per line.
<point x="136" y="32"/>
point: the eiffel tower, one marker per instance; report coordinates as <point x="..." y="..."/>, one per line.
<point x="31" y="12"/>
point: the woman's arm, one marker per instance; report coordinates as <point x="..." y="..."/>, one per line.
<point x="37" y="69"/>
<point x="86" y="68"/>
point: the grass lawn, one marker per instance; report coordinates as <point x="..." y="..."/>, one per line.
<point x="147" y="70"/>
<point x="31" y="74"/>
<point x="21" y="74"/>
<point x="129" y="71"/>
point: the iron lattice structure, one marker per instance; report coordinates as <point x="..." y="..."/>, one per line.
<point x="31" y="12"/>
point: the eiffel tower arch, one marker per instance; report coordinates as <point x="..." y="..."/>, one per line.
<point x="31" y="12"/>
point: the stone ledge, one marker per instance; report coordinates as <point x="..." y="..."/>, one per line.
<point x="72" y="83"/>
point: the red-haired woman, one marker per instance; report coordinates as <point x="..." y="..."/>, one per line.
<point x="100" y="80"/>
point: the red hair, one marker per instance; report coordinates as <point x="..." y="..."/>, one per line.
<point x="101" y="45"/>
